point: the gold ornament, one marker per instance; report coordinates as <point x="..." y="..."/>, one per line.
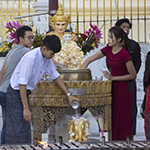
<point x="78" y="129"/>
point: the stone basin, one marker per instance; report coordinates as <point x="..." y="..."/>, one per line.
<point x="75" y="74"/>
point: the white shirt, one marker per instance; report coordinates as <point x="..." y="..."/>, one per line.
<point x="30" y="70"/>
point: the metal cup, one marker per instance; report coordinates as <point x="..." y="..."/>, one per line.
<point x="75" y="105"/>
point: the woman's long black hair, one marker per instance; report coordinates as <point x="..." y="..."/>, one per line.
<point x="120" y="33"/>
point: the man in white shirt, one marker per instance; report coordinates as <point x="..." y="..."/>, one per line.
<point x="28" y="72"/>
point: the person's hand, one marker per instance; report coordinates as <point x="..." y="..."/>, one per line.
<point x="64" y="66"/>
<point x="27" y="115"/>
<point x="83" y="67"/>
<point x="72" y="98"/>
<point x="107" y="75"/>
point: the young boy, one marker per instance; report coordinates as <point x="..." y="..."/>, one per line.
<point x="28" y="72"/>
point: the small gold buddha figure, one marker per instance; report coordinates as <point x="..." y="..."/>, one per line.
<point x="70" y="55"/>
<point x="78" y="129"/>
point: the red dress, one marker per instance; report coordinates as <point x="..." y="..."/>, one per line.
<point x="122" y="94"/>
<point x="147" y="114"/>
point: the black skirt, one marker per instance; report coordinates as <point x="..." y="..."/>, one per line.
<point x="17" y="129"/>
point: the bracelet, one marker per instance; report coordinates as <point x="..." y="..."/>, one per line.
<point x="68" y="94"/>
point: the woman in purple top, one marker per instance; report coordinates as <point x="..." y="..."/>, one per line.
<point x="122" y="73"/>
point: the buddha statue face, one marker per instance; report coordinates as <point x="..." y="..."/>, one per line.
<point x="60" y="27"/>
<point x="67" y="37"/>
<point x="59" y="21"/>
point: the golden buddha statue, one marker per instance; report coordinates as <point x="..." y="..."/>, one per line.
<point x="70" y="55"/>
<point x="59" y="22"/>
<point x="78" y="129"/>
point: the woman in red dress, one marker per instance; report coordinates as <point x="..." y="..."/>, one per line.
<point x="122" y="73"/>
<point x="146" y="82"/>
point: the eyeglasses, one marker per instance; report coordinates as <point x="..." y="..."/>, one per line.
<point x="30" y="37"/>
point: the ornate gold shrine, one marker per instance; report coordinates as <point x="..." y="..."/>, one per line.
<point x="48" y="102"/>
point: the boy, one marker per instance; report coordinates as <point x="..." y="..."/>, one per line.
<point x="28" y="72"/>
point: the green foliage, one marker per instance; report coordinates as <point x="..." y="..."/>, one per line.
<point x="38" y="38"/>
<point x="8" y="44"/>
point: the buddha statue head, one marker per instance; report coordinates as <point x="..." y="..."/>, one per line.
<point x="59" y="21"/>
<point x="67" y="37"/>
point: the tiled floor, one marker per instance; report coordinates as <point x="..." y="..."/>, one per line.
<point x="93" y="130"/>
